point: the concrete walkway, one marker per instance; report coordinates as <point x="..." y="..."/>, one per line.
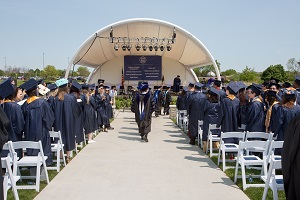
<point x="121" y="166"/>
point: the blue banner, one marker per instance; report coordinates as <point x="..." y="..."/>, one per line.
<point x="144" y="68"/>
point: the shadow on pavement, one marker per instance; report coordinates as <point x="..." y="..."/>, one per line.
<point x="209" y="163"/>
<point x="130" y="128"/>
<point x="227" y="181"/>
<point x="130" y="133"/>
<point x="130" y="138"/>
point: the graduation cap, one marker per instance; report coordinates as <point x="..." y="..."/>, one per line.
<point x="61" y="82"/>
<point x="69" y="80"/>
<point x="191" y="85"/>
<point x="185" y="88"/>
<point x="52" y="86"/>
<point x="213" y="91"/>
<point x="217" y="82"/>
<point x="31" y="84"/>
<point x="76" y="85"/>
<point x="286" y="85"/>
<point x="178" y="76"/>
<point x="92" y="86"/>
<point x="276" y="85"/>
<point x="198" y="85"/>
<point x="289" y="92"/>
<point x="85" y="86"/>
<point x="297" y="79"/>
<point x="100" y="81"/>
<point x="42" y="89"/>
<point x="106" y="87"/>
<point x="144" y="86"/>
<point x="256" y="88"/>
<point x="6" y="89"/>
<point x="265" y="84"/>
<point x="233" y="87"/>
<point x="241" y="85"/>
<point x="271" y="93"/>
<point x="276" y="80"/>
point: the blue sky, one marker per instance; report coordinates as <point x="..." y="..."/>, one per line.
<point x="238" y="33"/>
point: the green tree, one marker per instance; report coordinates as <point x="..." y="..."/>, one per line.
<point x="203" y="71"/>
<point x="248" y="75"/>
<point x="83" y="71"/>
<point x="61" y="72"/>
<point x="1" y="72"/>
<point x="49" y="72"/>
<point x="275" y="71"/>
<point x="293" y="66"/>
<point x="229" y="72"/>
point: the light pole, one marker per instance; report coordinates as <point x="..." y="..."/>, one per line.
<point x="43" y="60"/>
<point x="5" y="64"/>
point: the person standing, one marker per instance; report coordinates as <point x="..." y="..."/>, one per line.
<point x="176" y="84"/>
<point x="101" y="102"/>
<point x="195" y="112"/>
<point x="255" y="115"/>
<point x="143" y="106"/>
<point x="39" y="119"/>
<point x="291" y="160"/>
<point x="158" y="100"/>
<point x="65" y="109"/>
<point x="167" y="101"/>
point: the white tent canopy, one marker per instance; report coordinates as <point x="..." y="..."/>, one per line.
<point x="98" y="52"/>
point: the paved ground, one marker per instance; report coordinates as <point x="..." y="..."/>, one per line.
<point x="121" y="166"/>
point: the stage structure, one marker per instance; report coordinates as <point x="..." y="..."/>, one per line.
<point x="142" y="49"/>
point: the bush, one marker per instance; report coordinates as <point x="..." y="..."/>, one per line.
<point x="123" y="102"/>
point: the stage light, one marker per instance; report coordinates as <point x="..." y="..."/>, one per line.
<point x="144" y="47"/>
<point x="169" y="47"/>
<point x="173" y="36"/>
<point x="124" y="47"/>
<point x="116" y="47"/>
<point x="128" y="47"/>
<point x="138" y="47"/>
<point x="156" y="47"/>
<point x="111" y="35"/>
<point x="150" y="47"/>
<point x="162" y="47"/>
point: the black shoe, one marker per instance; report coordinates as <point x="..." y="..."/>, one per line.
<point x="110" y="128"/>
<point x="146" y="139"/>
<point x="192" y="142"/>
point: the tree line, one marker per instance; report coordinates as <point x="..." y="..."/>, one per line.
<point x="49" y="73"/>
<point x="250" y="75"/>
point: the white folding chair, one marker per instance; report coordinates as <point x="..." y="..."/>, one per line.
<point x="212" y="138"/>
<point x="31" y="161"/>
<point x="273" y="145"/>
<point x="181" y="114"/>
<point x="250" y="160"/>
<point x="200" y="131"/>
<point x="229" y="147"/>
<point x="58" y="149"/>
<point x="185" y="123"/>
<point x="9" y="178"/>
<point x="275" y="182"/>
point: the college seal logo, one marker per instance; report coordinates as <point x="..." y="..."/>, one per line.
<point x="143" y="59"/>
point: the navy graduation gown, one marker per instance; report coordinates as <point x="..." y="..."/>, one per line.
<point x="65" y="112"/>
<point x="79" y="119"/>
<point x="211" y="111"/>
<point x="195" y="111"/>
<point x="89" y="115"/>
<point x="39" y="119"/>
<point x="228" y="116"/>
<point x="282" y="118"/>
<point x="102" y="118"/>
<point x="181" y="103"/>
<point x="176" y="84"/>
<point x="109" y="109"/>
<point x="255" y="117"/>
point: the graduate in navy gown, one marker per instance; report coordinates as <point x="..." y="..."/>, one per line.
<point x="217" y="86"/>
<point x="285" y="113"/>
<point x="89" y="115"/>
<point x="75" y="91"/>
<point x="181" y="99"/>
<point x="14" y="114"/>
<point x="273" y="106"/>
<point x="211" y="110"/>
<point x="255" y="116"/>
<point x="195" y="107"/>
<point x="158" y="100"/>
<point x="39" y="119"/>
<point x="52" y="93"/>
<point x="66" y="110"/>
<point x="102" y="118"/>
<point x="109" y="109"/>
<point x="229" y="112"/>
<point x="176" y="84"/>
<point x="167" y="101"/>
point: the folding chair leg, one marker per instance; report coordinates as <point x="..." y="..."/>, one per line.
<point x="210" y="148"/>
<point x="207" y="142"/>
<point x="219" y="155"/>
<point x="38" y="178"/>
<point x="58" y="160"/>
<point x="224" y="160"/>
<point x="244" y="176"/>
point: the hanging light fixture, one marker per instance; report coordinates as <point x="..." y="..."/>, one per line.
<point x="162" y="46"/>
<point x="144" y="46"/>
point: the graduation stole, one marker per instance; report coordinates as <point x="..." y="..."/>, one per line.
<point x="257" y="99"/>
<point x="268" y="116"/>
<point x="8" y="100"/>
<point x="231" y="96"/>
<point x="31" y="99"/>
